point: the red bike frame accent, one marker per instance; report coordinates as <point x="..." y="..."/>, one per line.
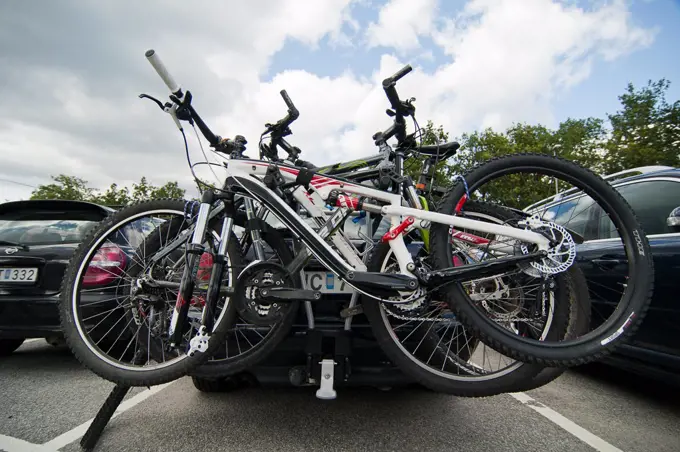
<point x="347" y="201"/>
<point x="469" y="238"/>
<point x="394" y="233"/>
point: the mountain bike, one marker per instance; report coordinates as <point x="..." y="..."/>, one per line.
<point x="386" y="171"/>
<point x="538" y="248"/>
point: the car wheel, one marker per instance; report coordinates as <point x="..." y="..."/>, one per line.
<point x="7" y="346"/>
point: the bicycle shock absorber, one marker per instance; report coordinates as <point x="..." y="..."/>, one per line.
<point x="208" y="317"/>
<point x="193" y="252"/>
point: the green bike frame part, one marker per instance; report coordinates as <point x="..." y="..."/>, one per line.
<point x="425" y="233"/>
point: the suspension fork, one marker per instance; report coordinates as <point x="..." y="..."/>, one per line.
<point x="186" y="289"/>
<point x="219" y="262"/>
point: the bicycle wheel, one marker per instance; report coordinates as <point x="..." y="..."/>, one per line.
<point x="584" y="190"/>
<point x="116" y="257"/>
<point x="429" y="344"/>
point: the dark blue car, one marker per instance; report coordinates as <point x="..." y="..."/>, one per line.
<point x="654" y="194"/>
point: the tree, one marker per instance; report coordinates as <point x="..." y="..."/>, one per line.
<point x="646" y="131"/>
<point x="144" y="190"/>
<point x="74" y="188"/>
<point x="577" y="140"/>
<point x="429" y="135"/>
<point x="65" y="187"/>
<point x="114" y="196"/>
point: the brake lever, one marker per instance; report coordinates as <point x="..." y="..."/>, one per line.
<point x="158" y="102"/>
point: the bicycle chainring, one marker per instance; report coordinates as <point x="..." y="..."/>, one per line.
<point x="249" y="304"/>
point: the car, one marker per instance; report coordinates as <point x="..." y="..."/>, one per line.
<point x="37" y="240"/>
<point x="653" y="193"/>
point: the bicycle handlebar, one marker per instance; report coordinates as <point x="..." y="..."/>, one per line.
<point x="400" y="110"/>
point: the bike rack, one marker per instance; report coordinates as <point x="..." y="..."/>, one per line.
<point x="104" y="415"/>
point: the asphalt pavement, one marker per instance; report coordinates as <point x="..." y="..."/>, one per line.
<point x="47" y="400"/>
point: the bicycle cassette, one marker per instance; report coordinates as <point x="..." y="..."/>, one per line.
<point x="250" y="302"/>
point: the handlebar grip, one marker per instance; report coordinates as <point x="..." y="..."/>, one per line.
<point x="286" y="99"/>
<point x="402" y="72"/>
<point x="291" y="108"/>
<point x="399" y="74"/>
<point x="162" y="71"/>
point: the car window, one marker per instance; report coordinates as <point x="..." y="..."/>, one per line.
<point x="44" y="228"/>
<point x="651" y="201"/>
<point x="577" y="214"/>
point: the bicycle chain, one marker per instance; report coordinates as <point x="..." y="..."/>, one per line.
<point x="403" y="317"/>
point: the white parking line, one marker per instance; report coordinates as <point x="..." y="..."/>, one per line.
<point x="553" y="416"/>
<point x="76" y="433"/>
<point x="9" y="444"/>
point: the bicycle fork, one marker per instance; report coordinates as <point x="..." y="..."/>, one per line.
<point x="194" y="250"/>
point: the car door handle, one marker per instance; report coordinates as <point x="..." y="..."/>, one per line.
<point x="607" y="263"/>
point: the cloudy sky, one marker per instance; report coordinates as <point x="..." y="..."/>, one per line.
<point x="70" y="73"/>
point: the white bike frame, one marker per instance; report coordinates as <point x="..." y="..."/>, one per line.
<point x="248" y="175"/>
<point x="313" y="193"/>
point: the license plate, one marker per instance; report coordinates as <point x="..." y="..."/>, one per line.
<point x="326" y="282"/>
<point x="18" y="275"/>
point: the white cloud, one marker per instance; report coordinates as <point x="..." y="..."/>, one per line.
<point x="509" y="59"/>
<point x="401" y="22"/>
<point x="506" y="60"/>
<point x="71" y="89"/>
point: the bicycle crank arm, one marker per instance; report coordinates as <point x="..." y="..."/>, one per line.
<point x="286" y="294"/>
<point x="479" y="270"/>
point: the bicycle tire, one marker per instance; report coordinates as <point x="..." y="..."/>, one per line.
<point x="591" y="346"/>
<point x="523" y="376"/>
<point x="79" y="346"/>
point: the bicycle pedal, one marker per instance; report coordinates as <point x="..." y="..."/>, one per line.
<point x="326" y="391"/>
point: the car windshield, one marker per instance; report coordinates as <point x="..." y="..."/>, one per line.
<point x="44" y="228"/>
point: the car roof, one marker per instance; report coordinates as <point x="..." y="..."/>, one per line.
<point x="638" y="173"/>
<point x="61" y="204"/>
<point x="664" y="172"/>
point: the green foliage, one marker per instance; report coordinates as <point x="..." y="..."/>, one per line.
<point x="74" y="188"/>
<point x="65" y="187"/>
<point x="114" y="196"/>
<point x="647" y="129"/>
<point x="576" y="140"/>
<point x="144" y="190"/>
<point x="429" y="136"/>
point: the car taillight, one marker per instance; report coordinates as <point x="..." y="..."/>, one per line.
<point x="106" y="265"/>
<point x="204" y="267"/>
